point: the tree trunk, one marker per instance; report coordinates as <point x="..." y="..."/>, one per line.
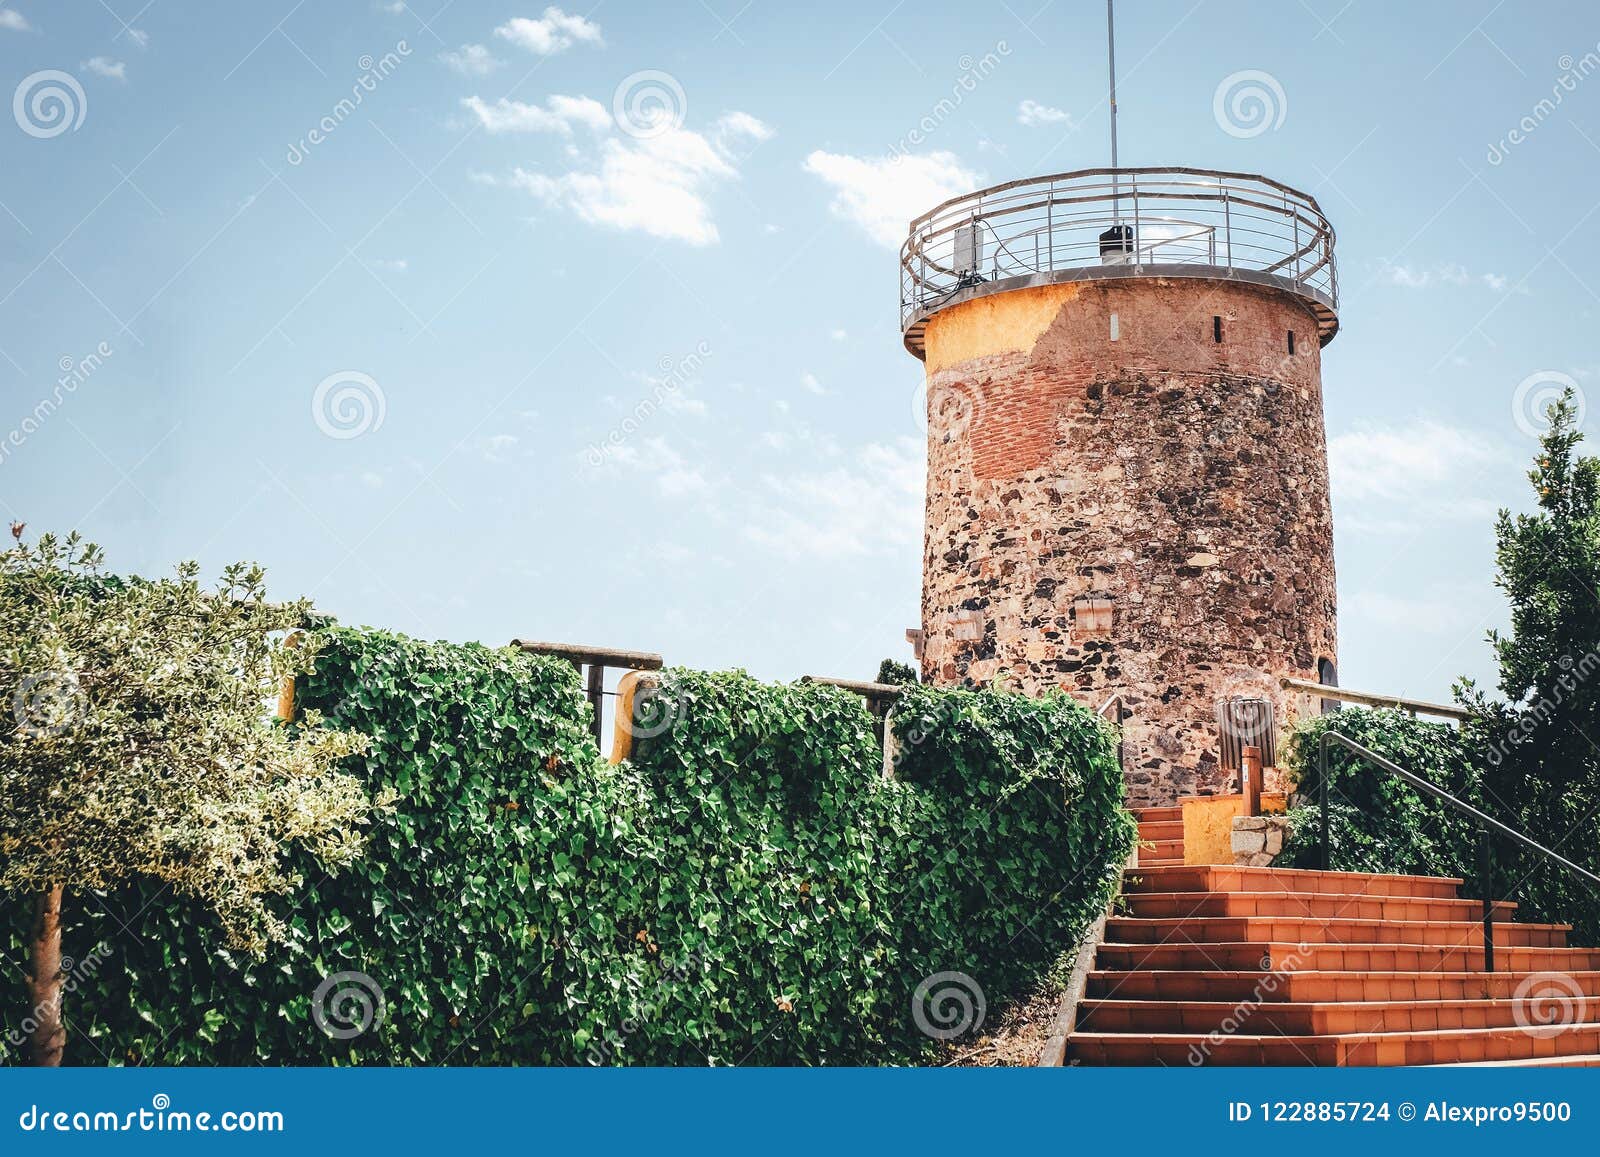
<point x="48" y="1037"/>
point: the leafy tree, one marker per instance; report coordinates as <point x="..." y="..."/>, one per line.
<point x="1546" y="729"/>
<point x="140" y="743"/>
<point x="897" y="673"/>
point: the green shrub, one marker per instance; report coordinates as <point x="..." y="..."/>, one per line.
<point x="1381" y="824"/>
<point x="750" y="889"/>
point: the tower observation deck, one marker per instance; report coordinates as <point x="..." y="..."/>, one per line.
<point x="1127" y="490"/>
<point x="1111" y="223"/>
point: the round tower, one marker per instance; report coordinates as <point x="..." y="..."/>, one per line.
<point x="1127" y="466"/>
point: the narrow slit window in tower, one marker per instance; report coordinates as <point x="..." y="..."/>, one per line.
<point x="1291" y="341"/>
<point x="1116" y="330"/>
<point x="1216" y="328"/>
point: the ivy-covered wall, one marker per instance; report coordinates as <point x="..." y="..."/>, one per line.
<point x="749" y="889"/>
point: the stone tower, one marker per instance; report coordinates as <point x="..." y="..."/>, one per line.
<point x="1127" y="466"/>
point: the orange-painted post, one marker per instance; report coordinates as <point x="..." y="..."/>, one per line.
<point x="1250" y="779"/>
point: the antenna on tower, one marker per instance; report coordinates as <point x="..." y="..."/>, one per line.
<point x="1117" y="242"/>
<point x="1111" y="69"/>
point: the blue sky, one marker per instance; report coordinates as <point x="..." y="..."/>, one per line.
<point x="393" y="347"/>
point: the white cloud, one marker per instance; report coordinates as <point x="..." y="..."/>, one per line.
<point x="656" y="185"/>
<point x="1032" y="113"/>
<point x="1391" y="462"/>
<point x="555" y="31"/>
<point x="372" y="480"/>
<point x="387" y="265"/>
<point x="497" y="448"/>
<point x="1395" y="479"/>
<point x="557" y="115"/>
<point x="674" y="476"/>
<point x="13" y="20"/>
<point x="471" y="60"/>
<point x="1412" y="277"/>
<point x="809" y="381"/>
<point x="883" y="194"/>
<point x="105" y="66"/>
<point x="1454" y="609"/>
<point x="871" y="503"/>
<point x="139" y="36"/>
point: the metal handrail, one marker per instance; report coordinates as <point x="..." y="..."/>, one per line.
<point x="1485" y="823"/>
<point x="1182" y="221"/>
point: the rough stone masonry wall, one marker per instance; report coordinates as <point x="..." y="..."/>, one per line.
<point x="1146" y="515"/>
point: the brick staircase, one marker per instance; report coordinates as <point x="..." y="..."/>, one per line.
<point x="1273" y="966"/>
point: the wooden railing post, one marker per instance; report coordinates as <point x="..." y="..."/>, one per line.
<point x="1250" y="779"/>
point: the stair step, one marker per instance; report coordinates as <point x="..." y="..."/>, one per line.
<point x="1328" y="904"/>
<point x="1267" y="955"/>
<point x="1311" y="986"/>
<point x="1579" y="1061"/>
<point x="1161" y="849"/>
<point x="1442" y="1046"/>
<point x="1321" y="1018"/>
<point x="1228" y="878"/>
<point x="1326" y="930"/>
<point x="1164" y="830"/>
<point x="1157" y="814"/>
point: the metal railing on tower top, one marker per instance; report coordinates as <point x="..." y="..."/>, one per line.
<point x="1115" y="223"/>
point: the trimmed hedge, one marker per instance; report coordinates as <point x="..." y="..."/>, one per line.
<point x="749" y="889"/>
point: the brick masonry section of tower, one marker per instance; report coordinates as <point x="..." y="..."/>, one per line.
<point x="1120" y="502"/>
